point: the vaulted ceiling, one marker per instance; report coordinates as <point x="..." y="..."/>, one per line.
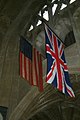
<point x="51" y="104"/>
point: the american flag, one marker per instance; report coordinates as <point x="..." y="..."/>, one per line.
<point x="30" y="64"/>
<point x="57" y="71"/>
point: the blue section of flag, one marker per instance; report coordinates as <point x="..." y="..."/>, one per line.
<point x="63" y="57"/>
<point x="25" y="47"/>
<point x="54" y="82"/>
<point x="50" y="62"/>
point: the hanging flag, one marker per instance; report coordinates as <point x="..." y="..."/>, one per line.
<point x="57" y="71"/>
<point x="30" y="64"/>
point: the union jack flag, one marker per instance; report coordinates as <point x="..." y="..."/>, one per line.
<point x="57" y="71"/>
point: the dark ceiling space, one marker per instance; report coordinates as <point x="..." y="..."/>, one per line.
<point x="51" y="104"/>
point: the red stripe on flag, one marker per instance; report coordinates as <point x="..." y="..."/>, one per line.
<point x="70" y="92"/>
<point x="40" y="74"/>
<point x="50" y="73"/>
<point x="31" y="75"/>
<point x="58" y="64"/>
<point x="31" y="79"/>
<point x="35" y="66"/>
<point x="33" y="69"/>
<point x="21" y="64"/>
<point x="25" y="67"/>
<point x="49" y="76"/>
<point x="53" y="66"/>
<point x="64" y="65"/>
<point x="29" y="71"/>
<point x="62" y="47"/>
<point x="51" y="52"/>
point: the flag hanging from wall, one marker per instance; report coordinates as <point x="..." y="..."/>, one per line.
<point x="30" y="64"/>
<point x="57" y="71"/>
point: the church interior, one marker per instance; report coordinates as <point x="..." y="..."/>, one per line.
<point x="18" y="99"/>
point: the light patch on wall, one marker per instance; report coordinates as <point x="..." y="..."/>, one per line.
<point x="44" y="6"/>
<point x="72" y="1"/>
<point x="45" y="15"/>
<point x="63" y="6"/>
<point x="52" y="1"/>
<point x="31" y="27"/>
<point x="39" y="13"/>
<point x="54" y="9"/>
<point x="39" y="22"/>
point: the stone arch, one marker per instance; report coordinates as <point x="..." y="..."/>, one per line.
<point x="62" y="25"/>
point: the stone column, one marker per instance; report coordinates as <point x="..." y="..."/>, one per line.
<point x="76" y="18"/>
